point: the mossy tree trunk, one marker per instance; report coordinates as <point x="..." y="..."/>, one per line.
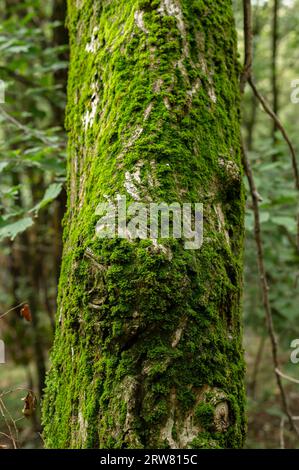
<point x="148" y="350"/>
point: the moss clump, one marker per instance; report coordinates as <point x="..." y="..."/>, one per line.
<point x="204" y="414"/>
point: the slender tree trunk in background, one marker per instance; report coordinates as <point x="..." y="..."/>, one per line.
<point x="25" y="264"/>
<point x="29" y="262"/>
<point x="250" y="122"/>
<point x="31" y="265"/>
<point x="60" y="39"/>
<point x="148" y="348"/>
<point x="275" y="41"/>
<point x="256" y="367"/>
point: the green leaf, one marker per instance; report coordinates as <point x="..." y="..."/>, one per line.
<point x="3" y="165"/>
<point x="288" y="222"/>
<point x="51" y="193"/>
<point x="15" y="228"/>
<point x="264" y="217"/>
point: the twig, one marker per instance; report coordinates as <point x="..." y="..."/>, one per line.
<point x="31" y="132"/>
<point x="248" y="37"/>
<point x="26" y="82"/>
<point x="17" y="389"/>
<point x="279" y="125"/>
<point x="4" y="434"/>
<point x="281" y="433"/>
<point x="3" y="411"/>
<point x="8" y="419"/>
<point x="90" y="255"/>
<point x="281" y="430"/>
<point x="287" y="377"/>
<point x="11" y="309"/>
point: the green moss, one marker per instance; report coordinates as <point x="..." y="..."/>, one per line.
<point x="205" y="441"/>
<point x="204" y="413"/>
<point x="116" y="375"/>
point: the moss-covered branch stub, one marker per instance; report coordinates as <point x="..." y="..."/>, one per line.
<point x="143" y="337"/>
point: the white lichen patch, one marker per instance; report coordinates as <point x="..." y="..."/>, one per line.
<point x="212" y="94"/>
<point x="178" y="334"/>
<point x="152" y="175"/>
<point x="138" y="185"/>
<point x="158" y="85"/>
<point x="148" y="111"/>
<point x="173" y="8"/>
<point x="137" y="132"/>
<point x="191" y="93"/>
<point x="167" y="430"/>
<point x="189" y="432"/>
<point x="133" y="182"/>
<point x="93" y="45"/>
<point x="182" y="69"/>
<point x="82" y="427"/>
<point x="130" y="184"/>
<point x="159" y="248"/>
<point x="90" y="114"/>
<point x="177" y="337"/>
<point x="209" y="75"/>
<point x="129" y="393"/>
<point x="134" y="137"/>
<point x="188" y="429"/>
<point x="231" y="168"/>
<point x="186" y="425"/>
<point x="138" y="16"/>
<point x="194" y="88"/>
<point x="166" y="103"/>
<point x="82" y="424"/>
<point x="73" y="181"/>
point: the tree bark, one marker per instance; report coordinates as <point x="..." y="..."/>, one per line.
<point x="148" y="348"/>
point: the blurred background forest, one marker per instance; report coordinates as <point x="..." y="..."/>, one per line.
<point x="33" y="68"/>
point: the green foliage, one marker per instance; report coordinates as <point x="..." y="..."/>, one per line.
<point x="204" y="413"/>
<point x="33" y="61"/>
<point x="271" y="162"/>
<point x="52" y="192"/>
<point x="13" y="229"/>
<point x="31" y="145"/>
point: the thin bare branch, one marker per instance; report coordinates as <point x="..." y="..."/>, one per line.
<point x="31" y="132"/>
<point x="286" y="377"/>
<point x="248" y="40"/>
<point x="268" y="110"/>
<point x="281" y="433"/>
<point x="11" y="309"/>
<point x="26" y="82"/>
<point x="3" y="412"/>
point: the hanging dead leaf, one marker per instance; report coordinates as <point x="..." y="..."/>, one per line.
<point x="29" y="405"/>
<point x="26" y="312"/>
